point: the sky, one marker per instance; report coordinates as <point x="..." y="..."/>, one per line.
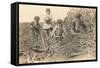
<point x="27" y="12"/>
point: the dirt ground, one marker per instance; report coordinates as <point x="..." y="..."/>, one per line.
<point x="66" y="50"/>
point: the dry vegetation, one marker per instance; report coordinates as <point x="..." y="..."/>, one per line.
<point x="79" y="46"/>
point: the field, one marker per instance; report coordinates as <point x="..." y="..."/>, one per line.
<point x="73" y="47"/>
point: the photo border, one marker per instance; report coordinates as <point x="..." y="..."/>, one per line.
<point x="16" y="47"/>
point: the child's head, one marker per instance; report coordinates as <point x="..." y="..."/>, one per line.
<point x="37" y="18"/>
<point x="59" y="22"/>
<point x="78" y="16"/>
<point x="48" y="11"/>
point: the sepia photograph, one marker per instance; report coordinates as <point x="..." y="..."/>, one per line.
<point x="56" y="33"/>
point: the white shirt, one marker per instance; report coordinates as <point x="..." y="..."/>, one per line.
<point x="45" y="25"/>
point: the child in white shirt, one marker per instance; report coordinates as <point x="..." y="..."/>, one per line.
<point x="47" y="26"/>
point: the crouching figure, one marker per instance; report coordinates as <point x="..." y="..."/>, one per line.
<point x="58" y="31"/>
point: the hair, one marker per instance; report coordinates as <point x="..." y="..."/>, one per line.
<point x="78" y="16"/>
<point x="36" y="17"/>
<point x="59" y="21"/>
<point x="47" y="9"/>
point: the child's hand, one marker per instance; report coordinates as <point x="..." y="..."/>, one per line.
<point x="51" y="35"/>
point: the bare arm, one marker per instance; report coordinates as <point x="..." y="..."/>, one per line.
<point x="52" y="33"/>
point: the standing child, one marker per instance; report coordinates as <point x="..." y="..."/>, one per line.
<point x="48" y="22"/>
<point x="35" y="25"/>
<point x="58" y="31"/>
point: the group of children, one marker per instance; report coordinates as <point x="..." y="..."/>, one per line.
<point x="55" y="31"/>
<point x="49" y="29"/>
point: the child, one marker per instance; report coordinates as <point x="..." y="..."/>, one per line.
<point x="36" y="27"/>
<point x="58" y="30"/>
<point x="48" y="16"/>
<point x="78" y="26"/>
<point x="48" y="22"/>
